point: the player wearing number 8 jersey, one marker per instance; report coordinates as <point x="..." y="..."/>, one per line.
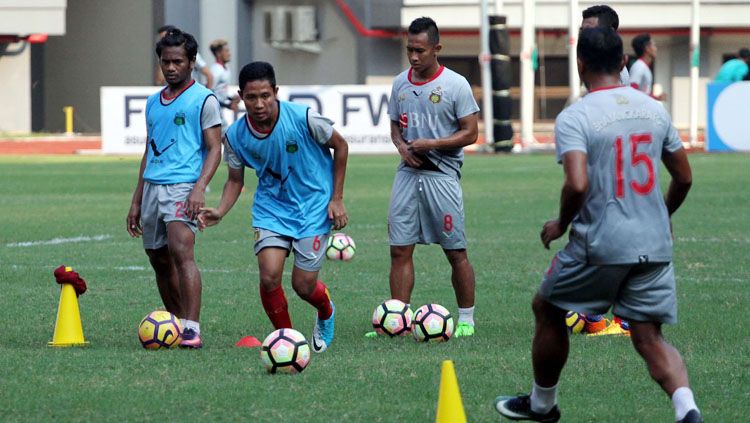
<point x="433" y="116"/>
<point x="299" y="195"/>
<point x="620" y="249"/>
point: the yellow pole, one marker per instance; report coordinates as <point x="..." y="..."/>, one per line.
<point x="68" y="110"/>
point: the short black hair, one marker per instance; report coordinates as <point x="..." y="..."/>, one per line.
<point x="744" y="53"/>
<point x="606" y="15"/>
<point x="639" y="44"/>
<point x="600" y="49"/>
<point x="425" y="24"/>
<point x="165" y="28"/>
<point x="257" y="71"/>
<point x="176" y="38"/>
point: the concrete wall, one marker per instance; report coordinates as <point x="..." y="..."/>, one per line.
<point x="108" y="42"/>
<point x="15" y="106"/>
<point x="335" y="64"/>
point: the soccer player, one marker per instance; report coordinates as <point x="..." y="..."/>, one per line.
<point x="735" y="69"/>
<point x="299" y="195"/>
<point x="641" y="77"/>
<point x="620" y="248"/>
<point x="604" y="16"/>
<point x="433" y="116"/>
<point x="182" y="154"/>
<point x="222" y="76"/>
<point x="200" y="70"/>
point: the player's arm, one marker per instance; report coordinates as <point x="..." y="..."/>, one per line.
<point x="466" y="135"/>
<point x="209" y="77"/>
<point x="210" y="216"/>
<point x="336" y="209"/>
<point x="397" y="138"/>
<point x="133" y="221"/>
<point x="682" y="178"/>
<point x="571" y="198"/>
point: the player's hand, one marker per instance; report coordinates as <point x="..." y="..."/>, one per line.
<point x="234" y="105"/>
<point x="408" y="156"/>
<point x="133" y="221"/>
<point x="551" y="231"/>
<point x="208" y="216"/>
<point x="196" y="201"/>
<point x="421" y="146"/>
<point x="337" y="213"/>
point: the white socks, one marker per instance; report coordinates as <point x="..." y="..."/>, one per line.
<point x="543" y="399"/>
<point x="683" y="402"/>
<point x="466" y="315"/>
<point x="189" y="324"/>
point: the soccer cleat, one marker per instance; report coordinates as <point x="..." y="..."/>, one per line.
<point x="519" y="408"/>
<point x="612" y="329"/>
<point x="323" y="332"/>
<point x="191" y="339"/>
<point x="693" y="416"/>
<point x="594" y="327"/>
<point x="464" y="329"/>
<point x="372" y="334"/>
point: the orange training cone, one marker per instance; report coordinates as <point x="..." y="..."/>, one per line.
<point x="68" y="328"/>
<point x="450" y="408"/>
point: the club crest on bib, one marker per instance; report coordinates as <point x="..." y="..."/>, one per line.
<point x="621" y="99"/>
<point x="179" y="118"/>
<point x="436" y="95"/>
<point x="291" y="146"/>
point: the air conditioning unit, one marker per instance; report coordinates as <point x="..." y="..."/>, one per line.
<point x="304" y="25"/>
<point x="278" y="25"/>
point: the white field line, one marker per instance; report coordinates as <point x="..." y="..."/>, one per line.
<point x="57" y="241"/>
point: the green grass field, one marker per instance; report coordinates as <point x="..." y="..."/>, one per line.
<point x="507" y="200"/>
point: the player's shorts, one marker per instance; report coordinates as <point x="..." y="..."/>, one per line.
<point x="160" y="205"/>
<point x="308" y="252"/>
<point x="641" y="292"/>
<point x="427" y="208"/>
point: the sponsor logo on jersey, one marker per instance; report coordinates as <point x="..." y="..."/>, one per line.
<point x="291" y="146"/>
<point x="403" y="120"/>
<point x="179" y="118"/>
<point x="436" y="95"/>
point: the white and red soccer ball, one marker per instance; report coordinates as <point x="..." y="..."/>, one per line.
<point x="340" y="247"/>
<point x="432" y="323"/>
<point x="285" y="351"/>
<point x="392" y="318"/>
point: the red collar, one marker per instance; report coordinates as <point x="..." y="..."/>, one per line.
<point x="164" y="91"/>
<point x="439" y="71"/>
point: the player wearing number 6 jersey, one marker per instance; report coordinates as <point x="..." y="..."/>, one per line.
<point x="299" y="195"/>
<point x="620" y="249"/>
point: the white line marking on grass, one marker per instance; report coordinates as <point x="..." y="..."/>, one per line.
<point x="57" y="241"/>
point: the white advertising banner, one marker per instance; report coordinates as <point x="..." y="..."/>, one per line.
<point x="359" y="112"/>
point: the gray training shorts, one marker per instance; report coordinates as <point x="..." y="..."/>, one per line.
<point x="160" y="205"/>
<point x="308" y="252"/>
<point x="641" y="292"/>
<point x="427" y="208"/>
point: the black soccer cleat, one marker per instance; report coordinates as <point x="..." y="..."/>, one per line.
<point x="519" y="408"/>
<point x="693" y="416"/>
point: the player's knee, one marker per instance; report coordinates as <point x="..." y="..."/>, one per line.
<point x="457" y="258"/>
<point x="303" y="287"/>
<point x="269" y="281"/>
<point x="545" y="311"/>
<point x="400" y="253"/>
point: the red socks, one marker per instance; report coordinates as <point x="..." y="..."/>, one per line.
<point x="274" y="302"/>
<point x="320" y="300"/>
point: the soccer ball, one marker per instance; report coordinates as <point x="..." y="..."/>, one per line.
<point x="432" y="323"/>
<point x="392" y="318"/>
<point x="575" y="322"/>
<point x="285" y="351"/>
<point x="160" y="329"/>
<point x="340" y="247"/>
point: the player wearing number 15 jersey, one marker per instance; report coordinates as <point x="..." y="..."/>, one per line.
<point x="620" y="249"/>
<point x="299" y="195"/>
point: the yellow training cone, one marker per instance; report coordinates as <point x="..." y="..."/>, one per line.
<point x="450" y="408"/>
<point x="68" y="328"/>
